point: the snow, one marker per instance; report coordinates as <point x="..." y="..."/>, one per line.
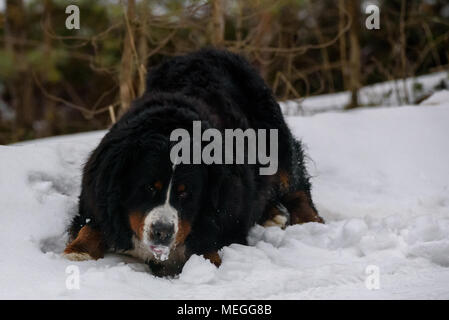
<point x="380" y="180"/>
<point x="198" y="270"/>
<point x="389" y="93"/>
<point x="437" y="98"/>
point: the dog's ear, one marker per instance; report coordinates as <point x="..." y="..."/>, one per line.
<point x="99" y="185"/>
<point x="216" y="184"/>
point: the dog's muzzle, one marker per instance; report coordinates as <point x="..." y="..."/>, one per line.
<point x="162" y="233"/>
<point x="161" y="226"/>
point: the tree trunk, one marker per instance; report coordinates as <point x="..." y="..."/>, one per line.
<point x="127" y="66"/>
<point x="403" y="47"/>
<point x="50" y="113"/>
<point x="342" y="43"/>
<point x="143" y="44"/>
<point x="353" y="7"/>
<point x="326" y="69"/>
<point x="218" y="23"/>
<point x="262" y="38"/>
<point x="20" y="86"/>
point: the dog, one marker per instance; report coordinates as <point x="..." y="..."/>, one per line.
<point x="135" y="200"/>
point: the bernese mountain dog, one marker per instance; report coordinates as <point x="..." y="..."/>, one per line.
<point x="135" y="200"/>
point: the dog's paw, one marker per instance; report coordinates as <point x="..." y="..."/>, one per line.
<point x="77" y="256"/>
<point x="281" y="219"/>
<point x="277" y="221"/>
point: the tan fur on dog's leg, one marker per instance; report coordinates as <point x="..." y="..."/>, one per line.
<point x="89" y="244"/>
<point x="301" y="210"/>
<point x="214" y="258"/>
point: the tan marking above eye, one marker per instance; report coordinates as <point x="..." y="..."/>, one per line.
<point x="181" y="188"/>
<point x="158" y="185"/>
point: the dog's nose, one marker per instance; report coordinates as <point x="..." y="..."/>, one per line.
<point x="162" y="233"/>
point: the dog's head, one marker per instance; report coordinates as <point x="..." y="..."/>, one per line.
<point x="140" y="197"/>
<point x="162" y="201"/>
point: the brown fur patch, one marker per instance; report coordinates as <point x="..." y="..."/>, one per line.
<point x="136" y="222"/>
<point x="88" y="241"/>
<point x="184" y="229"/>
<point x="284" y="180"/>
<point x="158" y="185"/>
<point x="273" y="212"/>
<point x="213" y="257"/>
<point x="298" y="204"/>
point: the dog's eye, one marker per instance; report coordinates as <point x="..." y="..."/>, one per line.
<point x="183" y="195"/>
<point x="152" y="190"/>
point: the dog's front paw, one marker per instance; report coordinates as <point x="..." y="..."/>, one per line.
<point x="277" y="221"/>
<point x="77" y="256"/>
<point x="280" y="217"/>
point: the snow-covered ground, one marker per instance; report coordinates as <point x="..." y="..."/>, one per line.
<point x="380" y="179"/>
<point x="388" y="93"/>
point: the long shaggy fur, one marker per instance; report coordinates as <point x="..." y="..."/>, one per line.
<point x="223" y="91"/>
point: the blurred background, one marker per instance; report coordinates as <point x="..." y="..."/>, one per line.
<point x="56" y="81"/>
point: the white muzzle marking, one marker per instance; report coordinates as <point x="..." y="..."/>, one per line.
<point x="164" y="214"/>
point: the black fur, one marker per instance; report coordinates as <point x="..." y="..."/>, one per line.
<point x="223" y="91"/>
